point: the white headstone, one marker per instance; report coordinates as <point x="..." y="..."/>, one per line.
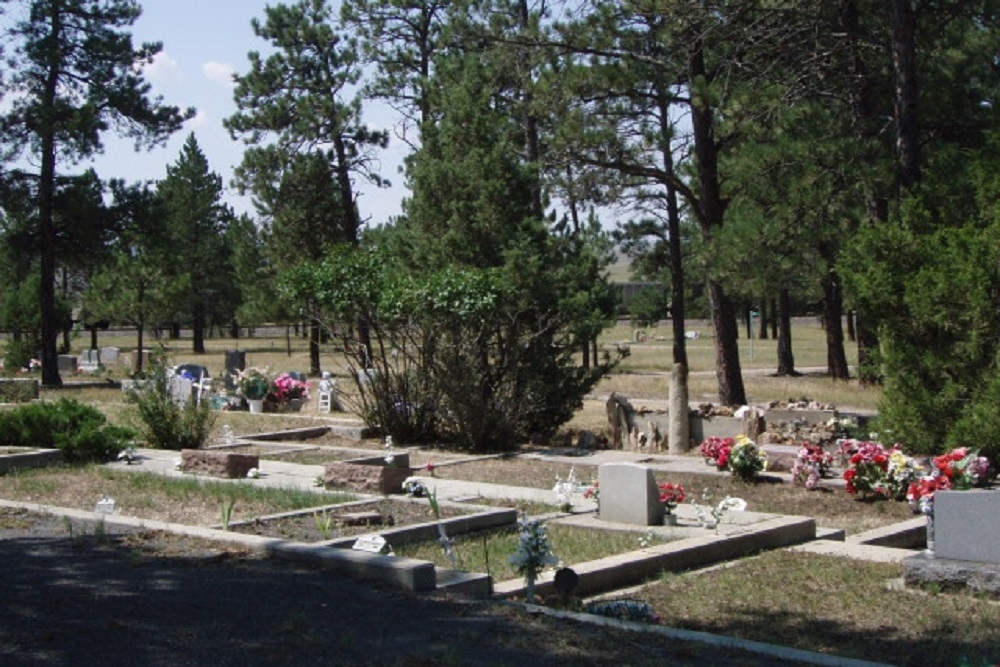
<point x="629" y="494"/>
<point x="180" y="389"/>
<point x="109" y="355"/>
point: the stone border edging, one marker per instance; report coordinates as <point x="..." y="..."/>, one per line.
<point x="405" y="573"/>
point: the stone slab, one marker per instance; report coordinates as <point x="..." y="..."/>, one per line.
<point x="927" y="568"/>
<point x="865" y="552"/>
<point x="911" y="534"/>
<point x="967" y="525"/>
<point x="217" y="463"/>
<point x="629" y="494"/>
<point x="67" y="363"/>
<point x="366" y="477"/>
<point x="29" y="459"/>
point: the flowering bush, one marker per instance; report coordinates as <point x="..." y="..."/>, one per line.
<point x="253" y="383"/>
<point x="671" y="495"/>
<point x="811" y="464"/>
<point x="286" y="388"/>
<point x="878" y="472"/>
<point x="746" y="459"/>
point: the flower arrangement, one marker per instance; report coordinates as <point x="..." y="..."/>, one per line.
<point x="746" y="459"/>
<point x="286" y="388"/>
<point x="874" y="471"/>
<point x="811" y="464"/>
<point x="253" y="383"/>
<point x="671" y="495"/>
<point x="564" y="490"/>
<point x="963" y="467"/>
<point x="533" y="553"/>
<point x="593" y="492"/>
<point x="716" y="451"/>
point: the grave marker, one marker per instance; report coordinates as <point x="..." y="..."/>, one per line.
<point x="629" y="494"/>
<point x="967" y="525"/>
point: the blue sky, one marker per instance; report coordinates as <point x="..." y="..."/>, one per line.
<point x="204" y="43"/>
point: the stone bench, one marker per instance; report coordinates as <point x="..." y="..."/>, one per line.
<point x="217" y="464"/>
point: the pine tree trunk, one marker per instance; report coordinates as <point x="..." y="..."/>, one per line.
<point x="786" y="359"/>
<point x="836" y="358"/>
<point x="727" y="353"/>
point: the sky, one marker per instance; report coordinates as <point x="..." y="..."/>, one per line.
<point x="204" y="43"/>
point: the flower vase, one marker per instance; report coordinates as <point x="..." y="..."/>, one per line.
<point x="930" y="533"/>
<point x="669" y="519"/>
<point x="256" y="405"/>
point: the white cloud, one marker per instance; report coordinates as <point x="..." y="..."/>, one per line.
<point x="163" y="69"/>
<point x="220" y="73"/>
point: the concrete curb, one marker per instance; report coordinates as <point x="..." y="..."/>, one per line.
<point x="405" y="573"/>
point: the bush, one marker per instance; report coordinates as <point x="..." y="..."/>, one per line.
<point x="164" y="423"/>
<point x="80" y="431"/>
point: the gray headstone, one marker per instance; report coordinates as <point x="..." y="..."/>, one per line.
<point x="629" y="494"/>
<point x="67" y="363"/>
<point x="109" y="355"/>
<point x="966" y="525"/>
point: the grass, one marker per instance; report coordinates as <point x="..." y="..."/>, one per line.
<point x="830" y="605"/>
<point x="150" y="496"/>
<point x="489" y="551"/>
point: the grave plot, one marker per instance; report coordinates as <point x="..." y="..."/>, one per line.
<point x="387" y="516"/>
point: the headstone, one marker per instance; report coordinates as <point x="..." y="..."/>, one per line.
<point x="109" y="355"/>
<point x="90" y="362"/>
<point x="629" y="494"/>
<point x="67" y="363"/>
<point x="236" y="360"/>
<point x="967" y="525"/>
<point x="180" y="389"/>
<point x="619" y="419"/>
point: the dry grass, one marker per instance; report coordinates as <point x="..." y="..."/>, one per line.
<point x="149" y="496"/>
<point x="831" y="605"/>
<point x="831" y="507"/>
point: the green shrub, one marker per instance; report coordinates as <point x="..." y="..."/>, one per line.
<point x="164" y="423"/>
<point x="80" y="431"/>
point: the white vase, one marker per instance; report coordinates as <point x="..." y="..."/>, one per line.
<point x="256" y="405"/>
<point x="669" y="519"/>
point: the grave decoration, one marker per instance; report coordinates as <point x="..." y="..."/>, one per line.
<point x="877" y="472"/>
<point x="713" y="516"/>
<point x="811" y="464"/>
<point x="740" y="455"/>
<point x="533" y="554"/>
<point x="564" y="490"/>
<point x="253" y="384"/>
<point x="959" y="469"/>
<point x="671" y="495"/>
<point x="288" y="393"/>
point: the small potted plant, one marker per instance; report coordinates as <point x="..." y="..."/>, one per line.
<point x="288" y="393"/>
<point x="671" y="495"/>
